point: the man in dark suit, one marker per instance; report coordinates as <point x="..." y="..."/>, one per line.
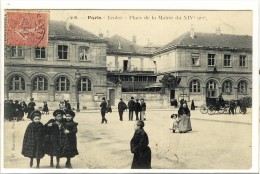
<point x="131" y="107"/>
<point x="103" y="109"/>
<point x="137" y="109"/>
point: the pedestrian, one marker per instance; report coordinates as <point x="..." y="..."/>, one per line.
<point x="140" y="149"/>
<point x="103" y="110"/>
<point x="31" y="108"/>
<point x="67" y="105"/>
<point x="55" y="137"/>
<point x="121" y="108"/>
<point x="18" y="111"/>
<point x="70" y="144"/>
<point x="137" y="109"/>
<point x="184" y="119"/>
<point x="24" y="107"/>
<point x="192" y="107"/>
<point x="143" y="109"/>
<point x="131" y="107"/>
<point x="174" y="125"/>
<point x="232" y="106"/>
<point x="45" y="108"/>
<point x="109" y="108"/>
<point x="33" y="141"/>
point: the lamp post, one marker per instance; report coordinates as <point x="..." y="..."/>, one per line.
<point x="77" y="76"/>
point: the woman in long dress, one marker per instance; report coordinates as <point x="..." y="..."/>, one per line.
<point x="184" y="119"/>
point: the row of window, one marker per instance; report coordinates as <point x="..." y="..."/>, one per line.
<point x="130" y="78"/>
<point x="40" y="52"/>
<point x="227" y="61"/>
<point x="40" y="83"/>
<point x="242" y="87"/>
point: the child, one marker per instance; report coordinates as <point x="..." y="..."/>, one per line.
<point x="55" y="137"/>
<point x="174" y="126"/>
<point x="70" y="144"/>
<point x="33" y="139"/>
<point x="45" y="108"/>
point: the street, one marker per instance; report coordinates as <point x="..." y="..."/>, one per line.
<point x="219" y="141"/>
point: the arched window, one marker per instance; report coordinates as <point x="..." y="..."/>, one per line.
<point x="211" y="89"/>
<point x="195" y="86"/>
<point x="227" y="87"/>
<point x="40" y="83"/>
<point x="62" y="84"/>
<point x="17" y="83"/>
<point x="242" y="87"/>
<point x="84" y="84"/>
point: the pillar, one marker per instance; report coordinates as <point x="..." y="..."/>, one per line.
<point x="236" y="93"/>
<point x="51" y="92"/>
<point x="28" y="91"/>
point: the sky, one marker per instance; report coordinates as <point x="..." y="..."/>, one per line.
<point x="156" y="26"/>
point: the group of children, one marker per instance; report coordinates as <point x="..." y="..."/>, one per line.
<point x="57" y="138"/>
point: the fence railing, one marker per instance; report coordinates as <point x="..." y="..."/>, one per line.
<point x="130" y="69"/>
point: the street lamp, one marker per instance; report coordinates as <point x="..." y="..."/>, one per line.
<point x="77" y="76"/>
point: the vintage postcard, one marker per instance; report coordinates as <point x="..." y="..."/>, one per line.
<point x="88" y="89"/>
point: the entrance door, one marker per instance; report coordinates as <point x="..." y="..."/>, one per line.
<point x="172" y="97"/>
<point x="125" y="65"/>
<point x="112" y="96"/>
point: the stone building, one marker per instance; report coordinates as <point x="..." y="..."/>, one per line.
<point x="207" y="64"/>
<point x="130" y="66"/>
<point x="72" y="67"/>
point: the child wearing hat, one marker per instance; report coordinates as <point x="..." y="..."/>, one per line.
<point x="33" y="141"/>
<point x="55" y="137"/>
<point x="70" y="144"/>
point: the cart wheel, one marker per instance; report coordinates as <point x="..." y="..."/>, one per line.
<point x="204" y="109"/>
<point x="211" y="110"/>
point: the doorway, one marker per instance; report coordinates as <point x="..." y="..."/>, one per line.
<point x="112" y="96"/>
<point x="125" y="65"/>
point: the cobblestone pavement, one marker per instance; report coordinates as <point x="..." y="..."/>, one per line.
<point x="217" y="141"/>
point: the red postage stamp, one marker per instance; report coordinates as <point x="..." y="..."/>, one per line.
<point x="27" y="28"/>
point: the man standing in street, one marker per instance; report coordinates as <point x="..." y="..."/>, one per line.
<point x="121" y="108"/>
<point x="143" y="109"/>
<point x="103" y="109"/>
<point x="137" y="109"/>
<point x="131" y="107"/>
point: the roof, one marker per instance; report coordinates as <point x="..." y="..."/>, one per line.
<point x="210" y="40"/>
<point x="58" y="30"/>
<point x="119" y="45"/>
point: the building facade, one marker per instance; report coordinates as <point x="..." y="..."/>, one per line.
<point x="130" y="66"/>
<point x="207" y="64"/>
<point x="72" y="67"/>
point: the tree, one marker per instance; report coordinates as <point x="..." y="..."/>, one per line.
<point x="168" y="81"/>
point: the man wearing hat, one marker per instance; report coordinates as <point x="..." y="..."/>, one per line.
<point x="103" y="110"/>
<point x="131" y="107"/>
<point x="121" y="108"/>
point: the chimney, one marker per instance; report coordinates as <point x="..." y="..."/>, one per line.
<point x="68" y="24"/>
<point x="134" y="39"/>
<point x="101" y="35"/>
<point x="192" y="33"/>
<point x="218" y="31"/>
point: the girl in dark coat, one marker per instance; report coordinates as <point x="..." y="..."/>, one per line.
<point x="33" y="140"/>
<point x="55" y="137"/>
<point x="70" y="144"/>
<point x="140" y="149"/>
<point x="45" y="108"/>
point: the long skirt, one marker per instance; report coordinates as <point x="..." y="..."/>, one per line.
<point x="184" y="124"/>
